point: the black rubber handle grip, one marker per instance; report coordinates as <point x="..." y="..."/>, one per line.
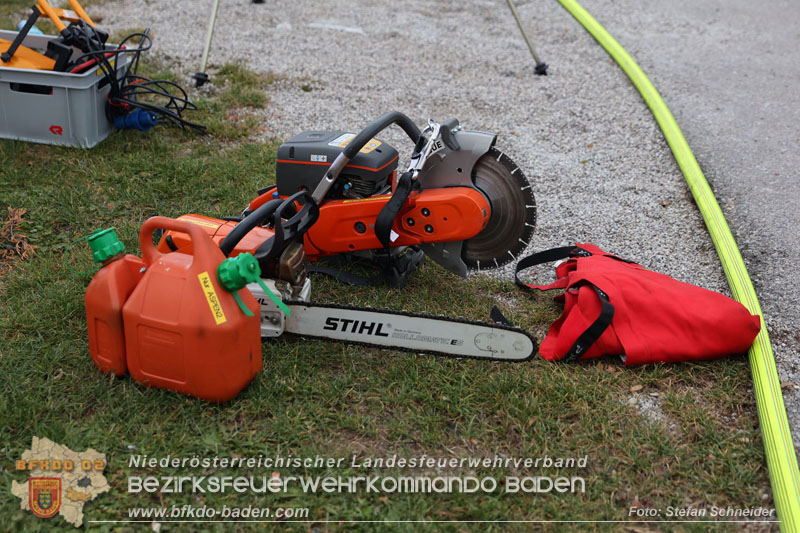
<point x="290" y="228"/>
<point x="256" y="218"/>
<point x="378" y="125"/>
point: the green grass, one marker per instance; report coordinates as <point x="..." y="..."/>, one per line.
<point x="326" y="398"/>
<point x="12" y="11"/>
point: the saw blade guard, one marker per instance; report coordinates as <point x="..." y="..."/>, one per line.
<point x="479" y="165"/>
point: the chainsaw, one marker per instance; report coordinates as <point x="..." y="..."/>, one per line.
<point x="461" y="202"/>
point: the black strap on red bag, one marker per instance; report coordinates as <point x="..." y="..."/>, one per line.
<point x="593" y="332"/>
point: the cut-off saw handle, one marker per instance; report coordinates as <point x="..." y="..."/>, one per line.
<point x="358" y="142"/>
<point x="378" y="125"/>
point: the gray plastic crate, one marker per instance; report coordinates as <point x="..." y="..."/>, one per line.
<point x="71" y="112"/>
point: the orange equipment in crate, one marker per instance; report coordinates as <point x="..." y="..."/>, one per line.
<point x="81" y="33"/>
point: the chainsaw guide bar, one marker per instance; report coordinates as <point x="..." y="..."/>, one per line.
<point x="410" y="332"/>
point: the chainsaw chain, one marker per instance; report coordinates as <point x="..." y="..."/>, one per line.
<point x="395" y="312"/>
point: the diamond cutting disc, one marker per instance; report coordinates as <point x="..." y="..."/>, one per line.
<point x="513" y="217"/>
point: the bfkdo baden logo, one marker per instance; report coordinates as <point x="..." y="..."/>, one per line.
<point x="44" y="496"/>
<point x="61" y="481"/>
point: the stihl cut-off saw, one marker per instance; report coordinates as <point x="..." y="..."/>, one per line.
<point x="338" y="196"/>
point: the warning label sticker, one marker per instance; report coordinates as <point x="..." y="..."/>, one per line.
<point x="343" y="140"/>
<point x="211" y="298"/>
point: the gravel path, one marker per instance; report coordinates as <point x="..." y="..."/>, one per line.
<point x="601" y="170"/>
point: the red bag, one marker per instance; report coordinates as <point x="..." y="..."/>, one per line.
<point x="617" y="307"/>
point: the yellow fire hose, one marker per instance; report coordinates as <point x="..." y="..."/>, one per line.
<point x="781" y="457"/>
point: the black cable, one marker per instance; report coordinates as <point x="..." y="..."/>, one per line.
<point x="167" y="99"/>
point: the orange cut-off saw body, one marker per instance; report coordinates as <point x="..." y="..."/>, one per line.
<point x="455" y="213"/>
<point x="462" y="202"/>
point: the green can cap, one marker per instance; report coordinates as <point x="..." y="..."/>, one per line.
<point x="105" y="244"/>
<point x="235" y="273"/>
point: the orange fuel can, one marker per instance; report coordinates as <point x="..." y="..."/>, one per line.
<point x="105" y="296"/>
<point x="183" y="330"/>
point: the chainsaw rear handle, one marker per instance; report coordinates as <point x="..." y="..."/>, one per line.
<point x="201" y="243"/>
<point x="358" y="142"/>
